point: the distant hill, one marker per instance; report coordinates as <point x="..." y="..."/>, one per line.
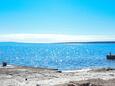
<point x="86" y="42"/>
<point x="28" y="44"/>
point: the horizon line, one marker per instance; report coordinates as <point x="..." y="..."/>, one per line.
<point x="54" y="38"/>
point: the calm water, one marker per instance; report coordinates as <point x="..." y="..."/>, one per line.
<point x="61" y="56"/>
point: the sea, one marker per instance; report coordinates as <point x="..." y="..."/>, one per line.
<point x="61" y="56"/>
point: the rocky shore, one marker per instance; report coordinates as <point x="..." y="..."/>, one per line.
<point x="29" y="76"/>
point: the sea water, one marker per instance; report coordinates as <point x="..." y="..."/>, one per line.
<point x="66" y="56"/>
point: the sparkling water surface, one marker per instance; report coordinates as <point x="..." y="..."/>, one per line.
<point x="59" y="56"/>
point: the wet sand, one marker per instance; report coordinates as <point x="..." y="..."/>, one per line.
<point x="29" y="76"/>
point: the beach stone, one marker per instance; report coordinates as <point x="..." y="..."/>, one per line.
<point x="71" y="84"/>
<point x="59" y="71"/>
<point x="88" y="84"/>
<point x="37" y="85"/>
<point x="111" y="74"/>
<point x="83" y="83"/>
<point x="4" y="64"/>
<point x="26" y="79"/>
<point x="108" y="69"/>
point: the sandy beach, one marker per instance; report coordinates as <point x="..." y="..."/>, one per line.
<point x="29" y="76"/>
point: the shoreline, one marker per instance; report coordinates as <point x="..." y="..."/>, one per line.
<point x="12" y="75"/>
<point x="61" y="71"/>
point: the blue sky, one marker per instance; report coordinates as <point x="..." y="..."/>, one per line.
<point x="67" y="17"/>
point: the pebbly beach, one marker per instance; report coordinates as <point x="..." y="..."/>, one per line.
<point x="11" y="75"/>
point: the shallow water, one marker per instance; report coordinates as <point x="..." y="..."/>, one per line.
<point x="59" y="56"/>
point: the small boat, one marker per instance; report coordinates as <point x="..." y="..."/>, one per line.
<point x="111" y="56"/>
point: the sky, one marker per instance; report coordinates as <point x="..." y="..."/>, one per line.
<point x="57" y="20"/>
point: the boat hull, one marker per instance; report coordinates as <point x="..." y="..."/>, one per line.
<point x="110" y="57"/>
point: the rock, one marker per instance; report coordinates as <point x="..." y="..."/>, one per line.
<point x="4" y="64"/>
<point x="108" y="69"/>
<point x="84" y="83"/>
<point x="59" y="71"/>
<point x="26" y="79"/>
<point x="71" y="84"/>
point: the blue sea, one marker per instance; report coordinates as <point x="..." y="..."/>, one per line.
<point x="66" y="56"/>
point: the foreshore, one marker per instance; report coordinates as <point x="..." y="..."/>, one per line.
<point x="29" y="76"/>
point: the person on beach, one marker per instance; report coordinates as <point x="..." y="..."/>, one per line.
<point x="110" y="53"/>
